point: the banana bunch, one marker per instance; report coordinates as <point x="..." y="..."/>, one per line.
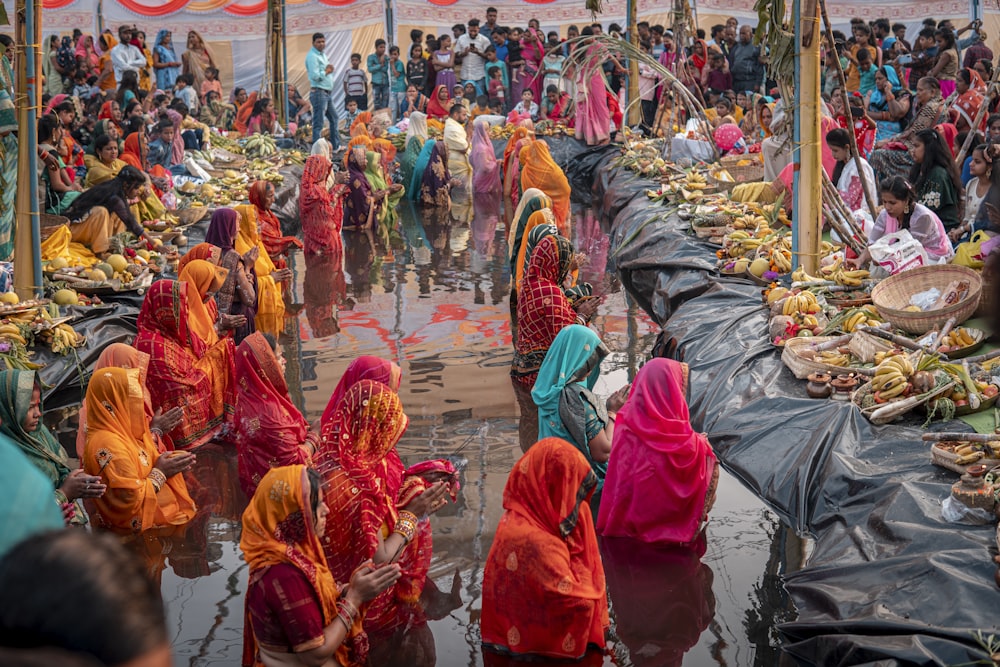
<point x="958" y="338"/>
<point x="695" y="181"/>
<point x="969" y="453"/>
<point x="864" y="316"/>
<point x="260" y="145"/>
<point x="62" y="338"/>
<point x="848" y="278"/>
<point x="803" y="302"/>
<point x="12" y="332"/>
<point x="296" y="157"/>
<point x="892" y="376"/>
<point x="225" y="143"/>
<point x="799" y="275"/>
<point x="781" y="259"/>
<point x="834" y="358"/>
<point x="750" y="221"/>
<point x="806" y="320"/>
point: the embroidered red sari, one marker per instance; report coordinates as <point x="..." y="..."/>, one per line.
<point x="543" y="584"/>
<point x="270" y="430"/>
<point x="183" y="370"/>
<point x="321" y="210"/>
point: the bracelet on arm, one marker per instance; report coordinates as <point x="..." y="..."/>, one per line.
<point x="347" y="613"/>
<point x="158" y="479"/>
<point x="406" y="525"/>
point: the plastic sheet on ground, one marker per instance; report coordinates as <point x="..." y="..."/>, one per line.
<point x="888" y="581"/>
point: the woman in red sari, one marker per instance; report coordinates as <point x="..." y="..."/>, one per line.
<point x="366" y="425"/>
<point x="662" y="474"/>
<point x="295" y="612"/>
<point x="321" y="208"/>
<point x="439" y="103"/>
<point x="543" y="584"/>
<point x="261" y="195"/>
<point x="270" y="430"/>
<point x="183" y="370"/>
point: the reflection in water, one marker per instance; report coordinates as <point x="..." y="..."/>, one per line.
<point x="661" y="598"/>
<point x="437" y="306"/>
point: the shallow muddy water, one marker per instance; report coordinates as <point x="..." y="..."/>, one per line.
<point x="438" y="307"/>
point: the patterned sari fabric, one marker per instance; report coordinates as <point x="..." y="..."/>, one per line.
<point x="278" y="531"/>
<point x="320" y="209"/>
<point x="523" y="134"/>
<point x="120" y="449"/>
<point x="277" y="246"/>
<point x="183" y="371"/>
<point x="39" y="446"/>
<point x="360" y="208"/>
<point x="270" y="430"/>
<point x="543" y="584"/>
<point x="204" y="251"/>
<point x="435" y="186"/>
<point x="270" y="316"/>
<point x="542" y="308"/>
<point x="539" y="170"/>
<point x="203" y="279"/>
<point x="120" y="355"/>
<point x="366" y="426"/>
<point x="661" y="470"/>
<point x="485" y="166"/>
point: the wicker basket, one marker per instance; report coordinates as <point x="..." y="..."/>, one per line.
<point x="747" y="173"/>
<point x="946" y="459"/>
<point x="801" y="367"/>
<point x="893" y="294"/>
<point x="49" y="223"/>
<point x="865" y="346"/>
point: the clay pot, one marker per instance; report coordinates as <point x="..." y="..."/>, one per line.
<point x="819" y="385"/>
<point x="843" y="385"/>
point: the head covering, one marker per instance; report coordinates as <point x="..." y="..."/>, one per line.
<point x="435" y="184"/>
<point x="532" y="200"/>
<point x="276" y="244"/>
<point x="417" y="128"/>
<point x="358" y="205"/>
<point x="546" y="549"/>
<point x="271" y="430"/>
<point x="117" y="355"/>
<point x="482" y="157"/>
<point x="320" y="213"/>
<point x="968" y="103"/>
<point x="539" y="170"/>
<point x="165" y="312"/>
<point x="416" y="137"/>
<point x="365" y="367"/>
<point x="661" y="468"/>
<point x="540" y="224"/>
<point x="203" y="278"/>
<point x="223" y="228"/>
<point x="877" y="99"/>
<point x="279" y="528"/>
<point x="205" y="251"/>
<point x="132" y="154"/>
<point x="54" y="102"/>
<point x="40" y="446"/>
<point x="434" y="107"/>
<point x="121" y="450"/>
<point x="948" y="133"/>
<point x="29" y="507"/>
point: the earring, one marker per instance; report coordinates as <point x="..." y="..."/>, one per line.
<point x="909" y="207"/>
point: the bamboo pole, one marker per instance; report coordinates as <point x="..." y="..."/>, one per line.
<point x="809" y="193"/>
<point x="869" y="199"/>
<point x="634" y="110"/>
<point x="27" y="233"/>
<point x="991" y="93"/>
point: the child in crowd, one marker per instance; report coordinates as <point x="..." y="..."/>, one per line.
<point x="552" y="65"/>
<point x="416" y="68"/>
<point x="458" y="96"/>
<point x="184" y="92"/>
<point x="160" y="147"/>
<point x="723" y="112"/>
<point x="397" y="82"/>
<point x="482" y="106"/>
<point x="527" y="106"/>
<point x="356" y="83"/>
<point x="378" y="68"/>
<point x="351" y="112"/>
<point x="211" y="83"/>
<point x="497" y="89"/>
<point x="866" y="72"/>
<point x="494" y="62"/>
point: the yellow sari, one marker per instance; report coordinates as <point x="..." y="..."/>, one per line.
<point x="120" y="449"/>
<point x="270" y="304"/>
<point x="148" y="208"/>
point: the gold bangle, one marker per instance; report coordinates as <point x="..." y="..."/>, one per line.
<point x="158" y="479"/>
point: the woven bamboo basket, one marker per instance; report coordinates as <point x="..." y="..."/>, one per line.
<point x="893" y="294"/>
<point x="49" y="223"/>
<point x="801" y="367"/>
<point x="865" y="346"/>
<point x="985" y="297"/>
<point x="946" y="459"/>
<point x="745" y="173"/>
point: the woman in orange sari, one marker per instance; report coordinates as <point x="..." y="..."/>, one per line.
<point x="203" y="279"/>
<point x="270" y="316"/>
<point x="366" y="425"/>
<point x="262" y="197"/>
<point x="146" y="489"/>
<point x="524" y="133"/>
<point x="241" y="123"/>
<point x="184" y="371"/>
<point x="270" y="430"/>
<point x="295" y="614"/>
<point x="539" y="170"/>
<point x="543" y="584"/>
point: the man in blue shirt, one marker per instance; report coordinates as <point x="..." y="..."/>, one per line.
<point x="320" y="73"/>
<point x="378" y="67"/>
<point x="499" y="38"/>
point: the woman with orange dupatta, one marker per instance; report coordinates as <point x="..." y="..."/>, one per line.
<point x="184" y="371"/>
<point x="120" y="355"/>
<point x="270" y="430"/>
<point x="365" y="426"/>
<point x="262" y="197"/>
<point x="146" y="489"/>
<point x="543" y="584"/>
<point x="295" y="614"/>
<point x="134" y="153"/>
<point x="662" y="475"/>
<point x="270" y="316"/>
<point x="523" y="134"/>
<point x="971" y="90"/>
<point x="539" y="170"/>
<point x="242" y="120"/>
<point x="207" y="321"/>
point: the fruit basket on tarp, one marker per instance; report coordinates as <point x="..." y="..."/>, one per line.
<point x="892" y="296"/>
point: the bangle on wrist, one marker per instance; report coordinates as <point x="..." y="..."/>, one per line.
<point x="158" y="479"/>
<point x="156" y="431"/>
<point x="406" y="526"/>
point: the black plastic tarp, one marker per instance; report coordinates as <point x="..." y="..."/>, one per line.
<point x="889" y="581"/>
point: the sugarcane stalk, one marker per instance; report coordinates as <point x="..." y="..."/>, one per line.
<point x="835" y="195"/>
<point x="838" y="224"/>
<point x="886" y="413"/>
<point x="960" y="437"/>
<point x="980" y="358"/>
<point x="869" y="199"/>
<point x="893" y="338"/>
<point x="945" y="330"/>
<point x="991" y="93"/>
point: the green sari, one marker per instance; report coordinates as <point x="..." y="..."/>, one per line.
<point x="40" y="446"/>
<point x="387" y="214"/>
<point x="409" y="161"/>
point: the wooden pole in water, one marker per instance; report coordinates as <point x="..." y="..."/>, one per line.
<point x="27" y="233"/>
<point x="809" y="185"/>
<point x="634" y="110"/>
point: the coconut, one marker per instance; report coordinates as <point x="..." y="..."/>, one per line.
<point x="66" y="297"/>
<point x="58" y="263"/>
<point x="107" y="269"/>
<point x="759" y="266"/>
<point x="10" y="297"/>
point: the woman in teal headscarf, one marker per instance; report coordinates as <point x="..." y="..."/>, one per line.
<point x="878" y="105"/>
<point x="28" y="507"/>
<point x="21" y="421"/>
<point x="567" y="406"/>
<point x="416" y="137"/>
<point x="416" y="181"/>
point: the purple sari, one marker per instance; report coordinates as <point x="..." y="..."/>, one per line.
<point x="222" y="231"/>
<point x="435" y="187"/>
<point x="358" y="213"/>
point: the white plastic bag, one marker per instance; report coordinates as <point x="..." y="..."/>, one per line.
<point x="954" y="511"/>
<point x="898" y="252"/>
<point x="193" y="168"/>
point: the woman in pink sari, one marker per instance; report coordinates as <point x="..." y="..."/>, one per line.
<point x="533" y="53"/>
<point x="593" y="116"/>
<point x="662" y="475"/>
<point x="485" y="166"/>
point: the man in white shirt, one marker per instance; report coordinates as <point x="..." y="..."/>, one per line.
<point x="457" y="141"/>
<point x="125" y="56"/>
<point x="472" y="47"/>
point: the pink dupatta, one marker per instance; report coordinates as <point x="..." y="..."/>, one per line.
<point x="485" y="166"/>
